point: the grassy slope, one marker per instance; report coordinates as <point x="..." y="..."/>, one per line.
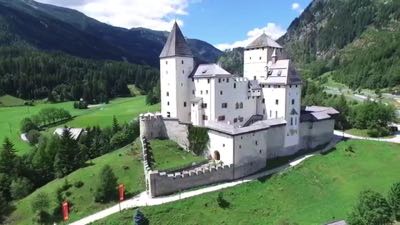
<point x="124" y="109"/>
<point x="82" y="198"/>
<point x="322" y="189"/>
<point x="168" y="154"/>
<point x="8" y="100"/>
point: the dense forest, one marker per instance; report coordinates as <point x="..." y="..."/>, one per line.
<point x="31" y="74"/>
<point x="232" y="61"/>
<point x="359" y="39"/>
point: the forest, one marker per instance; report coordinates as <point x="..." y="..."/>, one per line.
<point x="31" y="74"/>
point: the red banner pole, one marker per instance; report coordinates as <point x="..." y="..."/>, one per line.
<point x="65" y="211"/>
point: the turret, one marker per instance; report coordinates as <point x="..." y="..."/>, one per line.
<point x="176" y="64"/>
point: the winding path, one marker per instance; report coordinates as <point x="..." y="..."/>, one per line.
<point x="144" y="200"/>
<point x="395" y="139"/>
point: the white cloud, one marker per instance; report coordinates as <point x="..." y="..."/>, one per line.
<point x="273" y="30"/>
<point x="297" y="7"/>
<point x="153" y="14"/>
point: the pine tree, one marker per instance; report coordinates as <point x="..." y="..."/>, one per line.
<point x="107" y="190"/>
<point x="394" y="200"/>
<point x="115" y="126"/>
<point x="67" y="158"/>
<point x="8" y="158"/>
<point x="4" y="204"/>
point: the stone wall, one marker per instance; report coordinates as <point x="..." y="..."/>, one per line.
<point x="154" y="126"/>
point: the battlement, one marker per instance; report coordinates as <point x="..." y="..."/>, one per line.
<point x="241" y="79"/>
<point x="150" y="116"/>
<point x="194" y="172"/>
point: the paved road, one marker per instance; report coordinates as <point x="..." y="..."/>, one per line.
<point x="395" y="139"/>
<point x="144" y="200"/>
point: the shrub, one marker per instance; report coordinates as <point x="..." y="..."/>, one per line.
<point x="378" y="132"/>
<point x="78" y="184"/>
<point x="198" y="139"/>
<point x="139" y="218"/>
<point x="33" y="136"/>
<point x="27" y="124"/>
<point x="394" y="200"/>
<point x="20" y="188"/>
<point x="222" y="202"/>
<point x="119" y="139"/>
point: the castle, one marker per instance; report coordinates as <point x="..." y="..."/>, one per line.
<point x="249" y="119"/>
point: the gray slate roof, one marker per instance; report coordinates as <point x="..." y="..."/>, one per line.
<point x="176" y="44"/>
<point x="283" y="72"/>
<point x="263" y="41"/>
<point x="232" y="130"/>
<point x="210" y="70"/>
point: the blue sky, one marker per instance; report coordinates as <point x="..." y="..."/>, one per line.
<point x="223" y="23"/>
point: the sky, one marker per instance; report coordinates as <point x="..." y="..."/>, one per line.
<point x="223" y="23"/>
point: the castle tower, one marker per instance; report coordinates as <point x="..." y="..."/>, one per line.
<point x="176" y="64"/>
<point x="257" y="55"/>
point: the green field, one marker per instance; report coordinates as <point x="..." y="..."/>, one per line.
<point x="168" y="155"/>
<point x="9" y="101"/>
<point x="126" y="165"/>
<point x="322" y="189"/>
<point x="125" y="109"/>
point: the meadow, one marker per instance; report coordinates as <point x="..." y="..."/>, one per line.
<point x="125" y="109"/>
<point x="323" y="188"/>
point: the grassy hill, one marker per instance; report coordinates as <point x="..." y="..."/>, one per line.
<point x="126" y="165"/>
<point x="322" y="189"/>
<point x="125" y="109"/>
<point x="8" y="101"/>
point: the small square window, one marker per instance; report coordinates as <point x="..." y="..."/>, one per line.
<point x="167" y="93"/>
<point x="208" y="80"/>
<point x="184" y="104"/>
<point x="206" y="91"/>
<point x="183" y="62"/>
<point x="276" y="102"/>
<point x="292" y="101"/>
<point x="220" y="92"/>
<point x="219" y="80"/>
<point x="167" y="103"/>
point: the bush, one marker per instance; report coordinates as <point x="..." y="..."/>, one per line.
<point x="378" y="132"/>
<point x="27" y="124"/>
<point x="394" y="200"/>
<point x="78" y="184"/>
<point x="119" y="139"/>
<point x="222" y="202"/>
<point x="20" y="188"/>
<point x="80" y="105"/>
<point x="40" y="203"/>
<point x="33" y="136"/>
<point x="107" y="189"/>
<point x="139" y="218"/>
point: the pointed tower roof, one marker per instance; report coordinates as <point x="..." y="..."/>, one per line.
<point x="263" y="41"/>
<point x="176" y="44"/>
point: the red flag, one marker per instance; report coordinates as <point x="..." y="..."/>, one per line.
<point x="65" y="211"/>
<point x="121" y="190"/>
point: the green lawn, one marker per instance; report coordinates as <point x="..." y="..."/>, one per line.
<point x="126" y="165"/>
<point x="168" y="155"/>
<point x="8" y="100"/>
<point x="322" y="189"/>
<point x="125" y="109"/>
<point x="362" y="133"/>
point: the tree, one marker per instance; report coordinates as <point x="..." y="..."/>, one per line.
<point x="27" y="124"/>
<point x="33" y="136"/>
<point x="40" y="206"/>
<point x="115" y="125"/>
<point x="20" y="188"/>
<point x="107" y="189"/>
<point x="5" y="182"/>
<point x="198" y="139"/>
<point x="394" y="200"/>
<point x="4" y="204"/>
<point x="8" y="158"/>
<point x="68" y="157"/>
<point x="371" y="209"/>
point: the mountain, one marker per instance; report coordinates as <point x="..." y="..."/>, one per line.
<point x="357" y="40"/>
<point x="55" y="28"/>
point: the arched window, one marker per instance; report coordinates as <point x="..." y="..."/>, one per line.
<point x="216" y="155"/>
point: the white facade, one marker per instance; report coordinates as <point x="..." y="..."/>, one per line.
<point x="249" y="118"/>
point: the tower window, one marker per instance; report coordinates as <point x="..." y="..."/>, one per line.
<point x="234" y="85"/>
<point x="219" y="80"/>
<point x="208" y="80"/>
<point x="201" y="92"/>
<point x="256" y="142"/>
<point x="206" y="91"/>
<point x="183" y="62"/>
<point x="260" y="58"/>
<point x="184" y="104"/>
<point x="227" y="80"/>
<point x="167" y="103"/>
<point x="224" y="105"/>
<point x="204" y="105"/>
<point x="192" y="91"/>
<point x="221" y="118"/>
<point x="276" y="102"/>
<point x="292" y="101"/>
<point x="220" y="92"/>
<point x="167" y="93"/>
<point x="241" y="105"/>
<point x="263" y="100"/>
<point x="205" y="117"/>
<point x="168" y="114"/>
<point x="166" y="62"/>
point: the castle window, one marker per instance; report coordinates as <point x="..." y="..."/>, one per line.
<point x="296" y="85"/>
<point x="184" y="104"/>
<point x="276" y="102"/>
<point x="240" y="119"/>
<point x="166" y="62"/>
<point x="223" y="79"/>
<point x="292" y="101"/>
<point x="183" y="71"/>
<point x="220" y="92"/>
<point x="168" y="114"/>
<point x="260" y="58"/>
<point x="221" y="118"/>
<point x="260" y="152"/>
<point x="167" y="103"/>
<point x="223" y="145"/>
<point x="227" y="80"/>
<point x="208" y="80"/>
<point x="224" y="105"/>
<point x="206" y="91"/>
<point x="290" y="86"/>
<point x="234" y="85"/>
<point x="291" y="121"/>
<point x="181" y="84"/>
<point x="193" y="104"/>
<point x="201" y="92"/>
<point x="269" y="86"/>
<point x="204" y="105"/>
<point x="240" y="146"/>
<point x="193" y="92"/>
<point x="167" y="93"/>
<point x="241" y="105"/>
<point x="219" y="80"/>
<point x="205" y="117"/>
<point x="237" y="105"/>
<point x="255" y="78"/>
<point x="183" y="62"/>
<point x="235" y="120"/>
<point x="279" y="86"/>
<point x="263" y="100"/>
<point x="256" y="142"/>
<point x="250" y="58"/>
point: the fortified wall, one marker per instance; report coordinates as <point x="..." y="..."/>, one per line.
<point x="162" y="183"/>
